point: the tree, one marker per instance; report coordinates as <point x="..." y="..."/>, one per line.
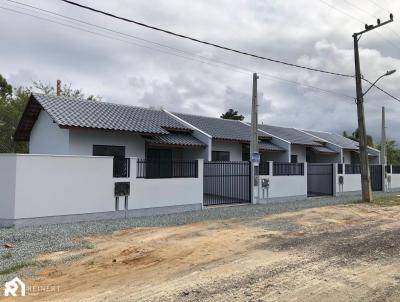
<point x="355" y="137"/>
<point x="66" y="90"/>
<point x="232" y="115"/>
<point x="393" y="153"/>
<point x="12" y="105"/>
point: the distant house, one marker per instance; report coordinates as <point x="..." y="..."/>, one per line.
<point x="229" y="140"/>
<point x="304" y="147"/>
<point x="349" y="152"/>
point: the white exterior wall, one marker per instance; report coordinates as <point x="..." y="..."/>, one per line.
<point x="63" y="185"/>
<point x="300" y="151"/>
<point x="234" y="149"/>
<point x="153" y="193"/>
<point x="395" y="181"/>
<point x="281" y="187"/>
<point x="34" y="186"/>
<point x="47" y="138"/>
<point x="7" y="185"/>
<point x="82" y="141"/>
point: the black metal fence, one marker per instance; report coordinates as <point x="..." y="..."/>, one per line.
<point x="395" y="169"/>
<point x="353" y="169"/>
<point x="167" y="169"/>
<point x="121" y="167"/>
<point x="287" y="169"/>
<point x="226" y="182"/>
<point x="263" y="168"/>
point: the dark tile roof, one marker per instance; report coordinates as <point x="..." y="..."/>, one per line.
<point x="336" y="139"/>
<point x="268" y="146"/>
<point x="69" y="112"/>
<point x="220" y="128"/>
<point x="323" y="150"/>
<point x="178" y="139"/>
<point x="292" y="135"/>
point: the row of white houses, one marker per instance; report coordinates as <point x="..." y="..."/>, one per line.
<point x="95" y="160"/>
<point x="63" y="126"/>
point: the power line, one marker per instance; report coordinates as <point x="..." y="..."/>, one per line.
<point x="355" y="18"/>
<point x="202" y="41"/>
<point x="369" y="14"/>
<point x="236" y="67"/>
<point x="232" y="66"/>
<point x="378" y="6"/>
<point x="382" y="90"/>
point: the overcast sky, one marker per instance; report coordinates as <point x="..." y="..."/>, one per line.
<point x="193" y="78"/>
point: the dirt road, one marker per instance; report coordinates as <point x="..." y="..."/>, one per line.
<point x="337" y="253"/>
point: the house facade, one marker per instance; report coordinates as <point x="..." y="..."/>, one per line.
<point x="65" y="126"/>
<point x="229" y="140"/>
<point x="62" y="126"/>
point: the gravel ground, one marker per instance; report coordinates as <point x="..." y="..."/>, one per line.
<point x="28" y="242"/>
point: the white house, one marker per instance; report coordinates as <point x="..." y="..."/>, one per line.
<point x="64" y="126"/>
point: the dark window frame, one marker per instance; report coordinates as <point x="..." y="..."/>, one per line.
<point x="219" y="156"/>
<point x="108" y="152"/>
<point x="292" y="157"/>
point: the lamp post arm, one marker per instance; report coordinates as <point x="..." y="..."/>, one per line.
<point x="373" y="84"/>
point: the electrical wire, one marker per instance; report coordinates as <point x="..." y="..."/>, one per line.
<point x="202" y="41"/>
<point x="236" y="67"/>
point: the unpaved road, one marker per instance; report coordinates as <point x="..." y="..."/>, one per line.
<point x="337" y="253"/>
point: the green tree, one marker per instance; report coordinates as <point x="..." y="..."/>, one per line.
<point x="232" y="115"/>
<point x="392" y="151"/>
<point x="355" y="137"/>
<point x="13" y="102"/>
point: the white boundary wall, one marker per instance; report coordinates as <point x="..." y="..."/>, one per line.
<point x="282" y="187"/>
<point x="34" y="186"/>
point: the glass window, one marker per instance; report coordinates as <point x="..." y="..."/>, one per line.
<point x="103" y="150"/>
<point x="245" y="152"/>
<point x="293" y="159"/>
<point x="220" y="156"/>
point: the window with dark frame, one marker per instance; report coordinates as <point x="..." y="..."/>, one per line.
<point x="245" y="152"/>
<point x="105" y="150"/>
<point x="220" y="156"/>
<point x="293" y="159"/>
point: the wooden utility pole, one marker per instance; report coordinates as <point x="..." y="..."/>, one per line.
<point x="364" y="162"/>
<point x="383" y="139"/>
<point x="58" y="87"/>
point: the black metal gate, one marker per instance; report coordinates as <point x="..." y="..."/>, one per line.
<point x="226" y="183"/>
<point x="319" y="179"/>
<point x="376" y="177"/>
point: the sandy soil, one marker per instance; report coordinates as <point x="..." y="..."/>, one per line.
<point x="338" y="253"/>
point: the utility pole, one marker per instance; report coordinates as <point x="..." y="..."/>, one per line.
<point x="254" y="118"/>
<point x="254" y="154"/>
<point x="364" y="162"/>
<point x="383" y="139"/>
<point x="58" y="87"/>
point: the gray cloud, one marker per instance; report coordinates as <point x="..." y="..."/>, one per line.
<point x="303" y="32"/>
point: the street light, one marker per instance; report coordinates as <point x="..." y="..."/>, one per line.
<point x="388" y="73"/>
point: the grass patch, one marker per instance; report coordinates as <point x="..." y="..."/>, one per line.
<point x="17" y="267"/>
<point x="7" y="256"/>
<point x="88" y="245"/>
<point x="387" y="201"/>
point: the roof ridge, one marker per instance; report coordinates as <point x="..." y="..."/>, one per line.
<point x="211" y="117"/>
<point x="108" y="103"/>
